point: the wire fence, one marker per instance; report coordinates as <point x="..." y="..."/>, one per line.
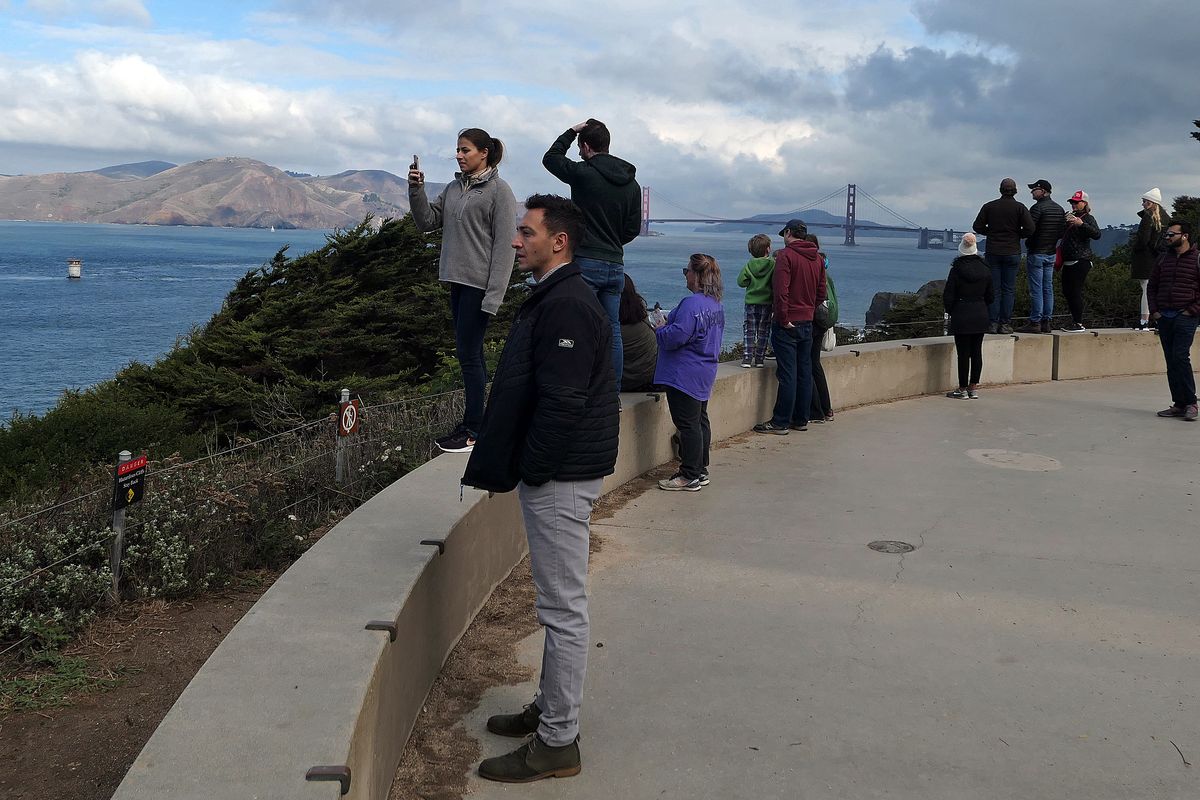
<point x="258" y="503"/>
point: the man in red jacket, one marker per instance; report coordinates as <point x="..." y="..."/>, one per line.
<point x="1174" y="298"/>
<point x="797" y="288"/>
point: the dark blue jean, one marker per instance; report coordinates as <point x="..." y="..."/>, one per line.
<point x="607" y="278"/>
<point x="1004" y="286"/>
<point x="1176" y="337"/>
<point x="470" y="325"/>
<point x="793" y="369"/>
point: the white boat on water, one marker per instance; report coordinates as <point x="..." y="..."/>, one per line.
<point x="936" y="243"/>
<point x="74" y="268"/>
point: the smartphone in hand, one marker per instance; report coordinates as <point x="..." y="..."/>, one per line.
<point x="415" y="177"/>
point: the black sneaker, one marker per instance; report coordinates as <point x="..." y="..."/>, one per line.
<point x="769" y="427"/>
<point x="533" y="761"/>
<point x="461" y="442"/>
<point x="516" y="725"/>
<point x="1073" y="327"/>
<point x="1004" y="328"/>
<point x="747" y="362"/>
<point x="445" y="437"/>
<point x="704" y="479"/>
<point x="958" y="394"/>
<point x="798" y="426"/>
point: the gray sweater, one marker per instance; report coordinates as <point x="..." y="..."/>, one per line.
<point x="478" y="226"/>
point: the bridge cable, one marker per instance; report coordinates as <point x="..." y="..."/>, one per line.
<point x="895" y="214"/>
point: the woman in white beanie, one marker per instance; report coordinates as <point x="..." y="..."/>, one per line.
<point x="1147" y="245"/>
<point x="966" y="298"/>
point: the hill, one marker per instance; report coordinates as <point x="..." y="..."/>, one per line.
<point x="216" y="192"/>
<point x="811" y="216"/>
<point x="140" y="169"/>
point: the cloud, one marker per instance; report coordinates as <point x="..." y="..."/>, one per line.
<point x="109" y="11"/>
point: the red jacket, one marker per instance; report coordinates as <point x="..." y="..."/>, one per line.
<point x="798" y="285"/>
<point x="1175" y="282"/>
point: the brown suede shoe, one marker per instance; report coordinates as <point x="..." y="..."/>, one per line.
<point x="517" y="725"/>
<point x="533" y="761"/>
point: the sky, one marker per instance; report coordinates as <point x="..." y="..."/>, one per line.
<point x="726" y="107"/>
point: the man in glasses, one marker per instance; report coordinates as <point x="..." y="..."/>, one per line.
<point x="1174" y="298"/>
<point x="1049" y="222"/>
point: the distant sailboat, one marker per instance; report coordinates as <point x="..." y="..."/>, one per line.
<point x="272" y="229"/>
<point x="74" y="268"/>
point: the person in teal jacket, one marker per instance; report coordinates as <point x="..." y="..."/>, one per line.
<point x="755" y="278"/>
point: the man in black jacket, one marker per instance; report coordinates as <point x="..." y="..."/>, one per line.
<point x="1005" y="222"/>
<point x="550" y="431"/>
<point x="603" y="186"/>
<point x="1049" y="222"/>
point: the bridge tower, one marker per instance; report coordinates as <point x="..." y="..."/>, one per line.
<point x="851" y="191"/>
<point x="645" y="229"/>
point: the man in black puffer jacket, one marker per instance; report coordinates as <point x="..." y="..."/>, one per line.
<point x="550" y="431"/>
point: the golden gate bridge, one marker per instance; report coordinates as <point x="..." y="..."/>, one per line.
<point x="926" y="237"/>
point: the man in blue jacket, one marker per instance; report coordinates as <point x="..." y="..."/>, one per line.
<point x="603" y="186"/>
<point x="550" y="431"/>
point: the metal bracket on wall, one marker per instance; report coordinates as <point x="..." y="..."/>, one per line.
<point x="338" y="773"/>
<point x="656" y="395"/>
<point x="1013" y="335"/>
<point x="856" y="353"/>
<point x="909" y="346"/>
<point x="440" y="544"/>
<point x="383" y="625"/>
<point x="1096" y="334"/>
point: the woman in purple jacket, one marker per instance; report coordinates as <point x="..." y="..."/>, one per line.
<point x="688" y="347"/>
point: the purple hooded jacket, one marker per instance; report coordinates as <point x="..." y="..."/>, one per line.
<point x="689" y="344"/>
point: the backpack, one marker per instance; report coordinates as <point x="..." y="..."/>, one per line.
<point x="826" y="315"/>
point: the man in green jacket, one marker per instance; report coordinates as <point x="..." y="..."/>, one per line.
<point x="604" y="188"/>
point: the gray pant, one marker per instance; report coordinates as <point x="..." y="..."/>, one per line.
<point x="557" y="523"/>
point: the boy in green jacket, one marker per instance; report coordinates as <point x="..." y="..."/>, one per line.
<point x="756" y="279"/>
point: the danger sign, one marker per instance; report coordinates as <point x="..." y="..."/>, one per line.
<point x="348" y="417"/>
<point x="130" y="483"/>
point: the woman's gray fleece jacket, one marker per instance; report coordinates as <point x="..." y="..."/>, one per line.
<point x="478" y="226"/>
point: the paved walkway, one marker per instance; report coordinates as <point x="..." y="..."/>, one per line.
<point x="1042" y="641"/>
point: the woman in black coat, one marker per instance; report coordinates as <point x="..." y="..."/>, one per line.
<point x="966" y="298"/>
<point x="1147" y="245"/>
<point x="1082" y="228"/>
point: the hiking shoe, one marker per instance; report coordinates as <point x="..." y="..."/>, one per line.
<point x="461" y="442"/>
<point x="958" y="394"/>
<point x="747" y="362"/>
<point x="1173" y="411"/>
<point x="972" y="394"/>
<point x="533" y="761"/>
<point x="455" y="431"/>
<point x="1073" y="327"/>
<point x="770" y="427"/>
<point x="758" y="363"/>
<point x="1005" y="328"/>
<point x="704" y="479"/>
<point x="994" y="327"/>
<point x="1189" y="414"/>
<point x="518" y="725"/>
<point x="678" y="483"/>
<point x="799" y="426"/>
<point x="1029" y="327"/>
<point x="1045" y="326"/>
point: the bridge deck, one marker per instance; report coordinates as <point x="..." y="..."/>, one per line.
<point x="1041" y="641"/>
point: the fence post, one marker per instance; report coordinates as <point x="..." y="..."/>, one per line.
<point x="118" y="542"/>
<point x="340" y="446"/>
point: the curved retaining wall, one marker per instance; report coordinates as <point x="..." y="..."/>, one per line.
<point x="301" y="683"/>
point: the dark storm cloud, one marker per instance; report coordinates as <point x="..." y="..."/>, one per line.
<point x="944" y="83"/>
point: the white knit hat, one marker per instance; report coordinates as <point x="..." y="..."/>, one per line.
<point x="966" y="245"/>
<point x="1154" y="196"/>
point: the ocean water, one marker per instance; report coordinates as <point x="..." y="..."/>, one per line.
<point x="143" y="287"/>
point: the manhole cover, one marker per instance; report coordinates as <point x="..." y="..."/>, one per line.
<point x="891" y="547"/>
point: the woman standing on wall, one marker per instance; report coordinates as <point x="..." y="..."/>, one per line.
<point x="1082" y="228"/>
<point x="966" y="298"/>
<point x="477" y="215"/>
<point x="1147" y="245"/>
<point x="688" y="347"/>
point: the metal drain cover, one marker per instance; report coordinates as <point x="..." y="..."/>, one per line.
<point x="891" y="547"/>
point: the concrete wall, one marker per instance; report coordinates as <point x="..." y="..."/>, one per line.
<point x="299" y="683"/>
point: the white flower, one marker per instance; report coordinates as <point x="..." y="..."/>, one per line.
<point x="293" y="518"/>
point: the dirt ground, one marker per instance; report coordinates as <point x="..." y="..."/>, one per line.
<point x="83" y="750"/>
